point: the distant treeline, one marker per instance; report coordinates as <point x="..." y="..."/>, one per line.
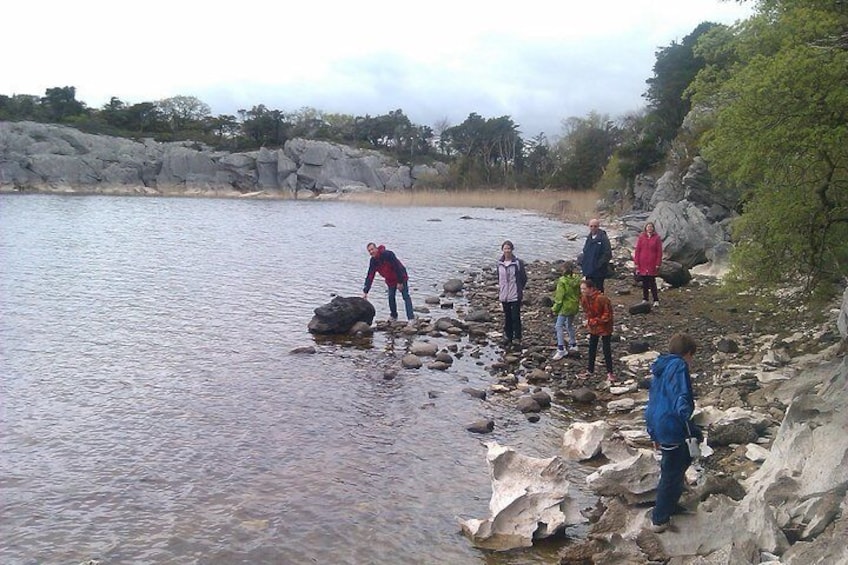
<point x="771" y="95"/>
<point x="482" y="151"/>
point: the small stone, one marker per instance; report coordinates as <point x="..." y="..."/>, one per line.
<point x="481" y="427"/>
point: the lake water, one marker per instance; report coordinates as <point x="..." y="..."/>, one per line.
<point x="152" y="413"/>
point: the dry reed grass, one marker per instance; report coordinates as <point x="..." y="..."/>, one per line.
<point x="572" y="206"/>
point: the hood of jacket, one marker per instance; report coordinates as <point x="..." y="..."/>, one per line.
<point x="665" y="360"/>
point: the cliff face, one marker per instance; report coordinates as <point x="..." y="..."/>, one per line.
<point x="52" y="158"/>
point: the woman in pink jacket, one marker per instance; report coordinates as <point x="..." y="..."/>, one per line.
<point x="648" y="258"/>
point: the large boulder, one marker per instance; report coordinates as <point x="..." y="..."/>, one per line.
<point x="340" y="315"/>
<point x="674" y="274"/>
<point x="687" y="233"/>
<point x="668" y="189"/>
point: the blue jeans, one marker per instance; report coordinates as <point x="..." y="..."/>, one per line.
<point x="675" y="461"/>
<point x="568" y="323"/>
<point x="407" y="300"/>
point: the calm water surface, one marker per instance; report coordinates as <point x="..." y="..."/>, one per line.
<point x="151" y="411"/>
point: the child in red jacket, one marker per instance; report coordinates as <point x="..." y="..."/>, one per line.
<point x="597" y="317"/>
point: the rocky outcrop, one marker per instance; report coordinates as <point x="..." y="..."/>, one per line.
<point x="691" y="218"/>
<point x="46" y="157"/>
<point x="787" y="502"/>
<point x="773" y="477"/>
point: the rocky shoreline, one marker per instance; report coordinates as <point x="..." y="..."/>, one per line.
<point x="766" y="380"/>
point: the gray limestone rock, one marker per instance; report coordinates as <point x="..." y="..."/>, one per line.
<point x="59" y="158"/>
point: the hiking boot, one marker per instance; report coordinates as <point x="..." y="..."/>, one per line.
<point x="656" y="303"/>
<point x="659" y="528"/>
<point x="560" y="354"/>
<point x="611" y="378"/>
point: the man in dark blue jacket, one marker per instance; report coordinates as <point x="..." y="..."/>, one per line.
<point x="597" y="253"/>
<point x="671" y="403"/>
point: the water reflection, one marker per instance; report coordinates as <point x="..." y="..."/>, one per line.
<point x="152" y="412"/>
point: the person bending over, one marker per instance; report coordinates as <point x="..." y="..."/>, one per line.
<point x="392" y="270"/>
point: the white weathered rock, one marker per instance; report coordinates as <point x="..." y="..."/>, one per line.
<point x="782" y="374"/>
<point x="621" y="405"/>
<point x="842" y="317"/>
<point x="807" y="459"/>
<point x="776" y="358"/>
<point x="623" y="389"/>
<point x="710" y="416"/>
<point x="529" y="501"/>
<point x="582" y="440"/>
<point x="639" y="360"/>
<point x="635" y="478"/>
<point x="635" y="437"/>
<point x="756" y="453"/>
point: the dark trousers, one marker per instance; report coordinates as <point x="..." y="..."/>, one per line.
<point x="649" y="283"/>
<point x="512" y="320"/>
<point x="598" y="281"/>
<point x="675" y="461"/>
<point x="606" y="340"/>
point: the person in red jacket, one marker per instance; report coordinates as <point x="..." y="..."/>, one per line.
<point x="597" y="317"/>
<point x="389" y="266"/>
<point x="648" y="257"/>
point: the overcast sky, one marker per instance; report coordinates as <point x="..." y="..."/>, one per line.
<point x="537" y="61"/>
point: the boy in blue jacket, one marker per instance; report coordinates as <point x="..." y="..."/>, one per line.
<point x="671" y="403"/>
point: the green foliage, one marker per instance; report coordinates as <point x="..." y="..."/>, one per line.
<point x="611" y="179"/>
<point x="61" y="103"/>
<point x="487" y="151"/>
<point x="540" y="165"/>
<point x="21" y="107"/>
<point x="782" y="134"/>
<point x="646" y="136"/>
<point x="584" y="150"/>
<point x="676" y="66"/>
<point x="182" y="112"/>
